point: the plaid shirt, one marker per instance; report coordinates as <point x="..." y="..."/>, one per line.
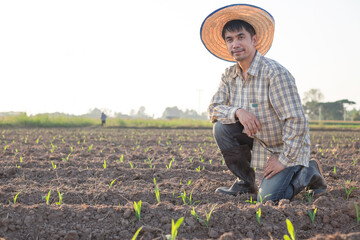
<point x="271" y="95"/>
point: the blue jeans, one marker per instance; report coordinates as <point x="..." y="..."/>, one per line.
<point x="279" y="186"/>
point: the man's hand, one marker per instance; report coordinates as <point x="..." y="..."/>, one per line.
<point x="273" y="166"/>
<point x="249" y="121"/>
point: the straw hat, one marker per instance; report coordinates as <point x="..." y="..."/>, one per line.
<point x="258" y="18"/>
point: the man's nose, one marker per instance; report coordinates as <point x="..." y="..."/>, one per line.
<point x="236" y="43"/>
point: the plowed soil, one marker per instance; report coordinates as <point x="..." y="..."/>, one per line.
<point x="101" y="172"/>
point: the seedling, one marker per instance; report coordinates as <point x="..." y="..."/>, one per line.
<point x="193" y="212"/>
<point x="137" y="208"/>
<point x="174" y="228"/>
<point x="67" y="158"/>
<point x="15" y="198"/>
<point x="258" y="216"/>
<point x="157" y="193"/>
<point x="348" y="191"/>
<point x="169" y="166"/>
<point x="312" y="215"/>
<point x="309" y="196"/>
<point x="251" y="201"/>
<point x="354" y="161"/>
<point x="53" y="165"/>
<point x="131" y="165"/>
<point x="136" y="233"/>
<point x="208" y="215"/>
<point x="112" y="182"/>
<point x="262" y="199"/>
<point x="47" y="197"/>
<point x="198" y="169"/>
<point x="334" y="170"/>
<point x="60" y="198"/>
<point x="104" y="164"/>
<point x="357" y="213"/>
<point x="121" y="158"/>
<point x="90" y="147"/>
<point x="291" y="231"/>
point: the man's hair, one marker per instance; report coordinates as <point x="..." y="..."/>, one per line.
<point x="236" y="25"/>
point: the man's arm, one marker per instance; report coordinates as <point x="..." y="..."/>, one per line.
<point x="286" y="102"/>
<point x="219" y="108"/>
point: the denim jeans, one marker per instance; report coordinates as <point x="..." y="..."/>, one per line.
<point x="279" y="186"/>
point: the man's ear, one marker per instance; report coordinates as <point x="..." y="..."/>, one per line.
<point x="254" y="40"/>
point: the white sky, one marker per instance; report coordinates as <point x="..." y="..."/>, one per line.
<point x="71" y="56"/>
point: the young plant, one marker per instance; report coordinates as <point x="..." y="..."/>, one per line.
<point x="67" y="158"/>
<point x="348" y="191"/>
<point x="262" y="199"/>
<point x="258" y="216"/>
<point x="137" y="208"/>
<point x="174" y="228"/>
<point x="112" y="182"/>
<point x="104" y="164"/>
<point x="312" y="215"/>
<point x="169" y="166"/>
<point x="47" y="197"/>
<point x="15" y="198"/>
<point x="208" y="215"/>
<point x="309" y="196"/>
<point x="291" y="231"/>
<point x="251" y="201"/>
<point x="90" y="147"/>
<point x="357" y="213"/>
<point x="131" y="165"/>
<point x="60" y="198"/>
<point x="53" y="165"/>
<point x="193" y="212"/>
<point x="121" y="158"/>
<point x="136" y="233"/>
<point x="157" y="193"/>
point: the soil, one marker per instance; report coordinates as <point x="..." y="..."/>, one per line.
<point x="183" y="162"/>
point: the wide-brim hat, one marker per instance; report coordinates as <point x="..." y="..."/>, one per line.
<point x="258" y="18"/>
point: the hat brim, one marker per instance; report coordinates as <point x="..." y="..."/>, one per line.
<point x="258" y="18"/>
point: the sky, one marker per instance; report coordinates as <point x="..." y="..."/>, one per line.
<point x="73" y="56"/>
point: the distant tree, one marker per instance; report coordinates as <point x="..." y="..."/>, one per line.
<point x="313" y="95"/>
<point x="335" y="110"/>
<point x="311" y="103"/>
<point x="172" y="112"/>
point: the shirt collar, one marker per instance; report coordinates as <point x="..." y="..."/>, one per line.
<point x="254" y="67"/>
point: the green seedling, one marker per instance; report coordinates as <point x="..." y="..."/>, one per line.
<point x="198" y="169"/>
<point x="104" y="164"/>
<point x="193" y="212"/>
<point x="47" y="198"/>
<point x="308" y="195"/>
<point x="60" y="198"/>
<point x="208" y="215"/>
<point x="174" y="228"/>
<point x="312" y="215"/>
<point x="169" y="166"/>
<point x="357" y="213"/>
<point x="21" y="159"/>
<point x="136" y="233"/>
<point x="291" y="231"/>
<point x="251" y="201"/>
<point x="354" y="161"/>
<point x="6" y="146"/>
<point x="137" y="208"/>
<point x="191" y="159"/>
<point x="71" y="149"/>
<point x="183" y="197"/>
<point x="334" y="171"/>
<point x="121" y="158"/>
<point x="15" y="198"/>
<point x="37" y="140"/>
<point x="189" y="182"/>
<point x="90" y="147"/>
<point x="262" y="199"/>
<point x="112" y="182"/>
<point x="258" y="216"/>
<point x="348" y="191"/>
<point x="131" y="165"/>
<point x="53" y="165"/>
<point x="66" y="159"/>
<point x="157" y="193"/>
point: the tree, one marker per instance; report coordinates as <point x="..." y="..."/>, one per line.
<point x="335" y="110"/>
<point x="311" y="102"/>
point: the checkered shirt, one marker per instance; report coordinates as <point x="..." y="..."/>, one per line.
<point x="269" y="93"/>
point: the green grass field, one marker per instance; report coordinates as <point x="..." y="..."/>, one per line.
<point x="45" y="120"/>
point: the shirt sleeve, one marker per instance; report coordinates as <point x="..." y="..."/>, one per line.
<point x="219" y="108"/>
<point x="286" y="102"/>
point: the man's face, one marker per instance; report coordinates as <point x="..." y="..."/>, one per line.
<point x="241" y="45"/>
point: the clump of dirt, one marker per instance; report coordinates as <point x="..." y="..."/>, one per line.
<point x="100" y="172"/>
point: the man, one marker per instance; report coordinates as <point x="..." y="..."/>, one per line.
<point x="103" y="119"/>
<point x="257" y="113"/>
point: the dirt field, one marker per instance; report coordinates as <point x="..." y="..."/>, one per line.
<point x="94" y="206"/>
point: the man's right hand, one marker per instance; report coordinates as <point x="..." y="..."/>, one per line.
<point x="249" y="121"/>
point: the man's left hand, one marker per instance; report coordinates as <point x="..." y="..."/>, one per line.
<point x="273" y="166"/>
